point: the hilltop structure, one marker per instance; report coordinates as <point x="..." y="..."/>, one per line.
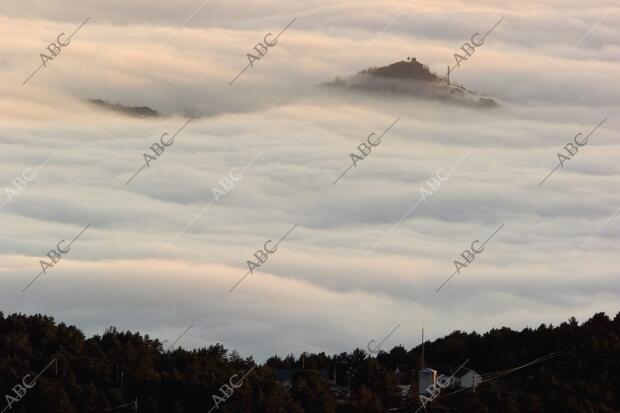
<point x="410" y="69"/>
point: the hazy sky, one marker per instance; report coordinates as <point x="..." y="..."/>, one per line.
<point x="552" y="66"/>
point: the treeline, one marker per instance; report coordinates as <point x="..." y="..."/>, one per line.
<point x="115" y="369"/>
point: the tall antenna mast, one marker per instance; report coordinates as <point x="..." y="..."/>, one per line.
<point x="422" y="368"/>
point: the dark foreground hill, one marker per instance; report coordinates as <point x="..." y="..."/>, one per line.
<point x="580" y="373"/>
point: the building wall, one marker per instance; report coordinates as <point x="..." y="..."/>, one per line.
<point x="470" y="379"/>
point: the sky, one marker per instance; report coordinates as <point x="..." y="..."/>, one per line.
<point x="356" y="258"/>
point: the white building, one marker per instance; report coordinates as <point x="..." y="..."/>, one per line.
<point x="426" y="377"/>
<point x="470" y="379"/>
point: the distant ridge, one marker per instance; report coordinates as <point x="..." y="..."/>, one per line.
<point x="138" y="111"/>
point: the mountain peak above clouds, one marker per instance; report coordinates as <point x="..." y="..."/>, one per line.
<point x="411" y="78"/>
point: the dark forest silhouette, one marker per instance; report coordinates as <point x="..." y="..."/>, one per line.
<point x="136" y="372"/>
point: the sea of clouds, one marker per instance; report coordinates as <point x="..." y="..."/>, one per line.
<point x="321" y="291"/>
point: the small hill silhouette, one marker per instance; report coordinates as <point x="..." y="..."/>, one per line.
<point x="139" y="111"/>
<point x="415" y="79"/>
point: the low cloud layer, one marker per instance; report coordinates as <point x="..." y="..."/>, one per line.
<point x="322" y="290"/>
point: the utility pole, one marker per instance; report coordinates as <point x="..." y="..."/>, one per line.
<point x="422" y="368"/>
<point x="349" y="383"/>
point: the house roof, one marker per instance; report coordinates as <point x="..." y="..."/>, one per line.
<point x="463" y="372"/>
<point x="447" y="370"/>
<point x="427" y="370"/>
